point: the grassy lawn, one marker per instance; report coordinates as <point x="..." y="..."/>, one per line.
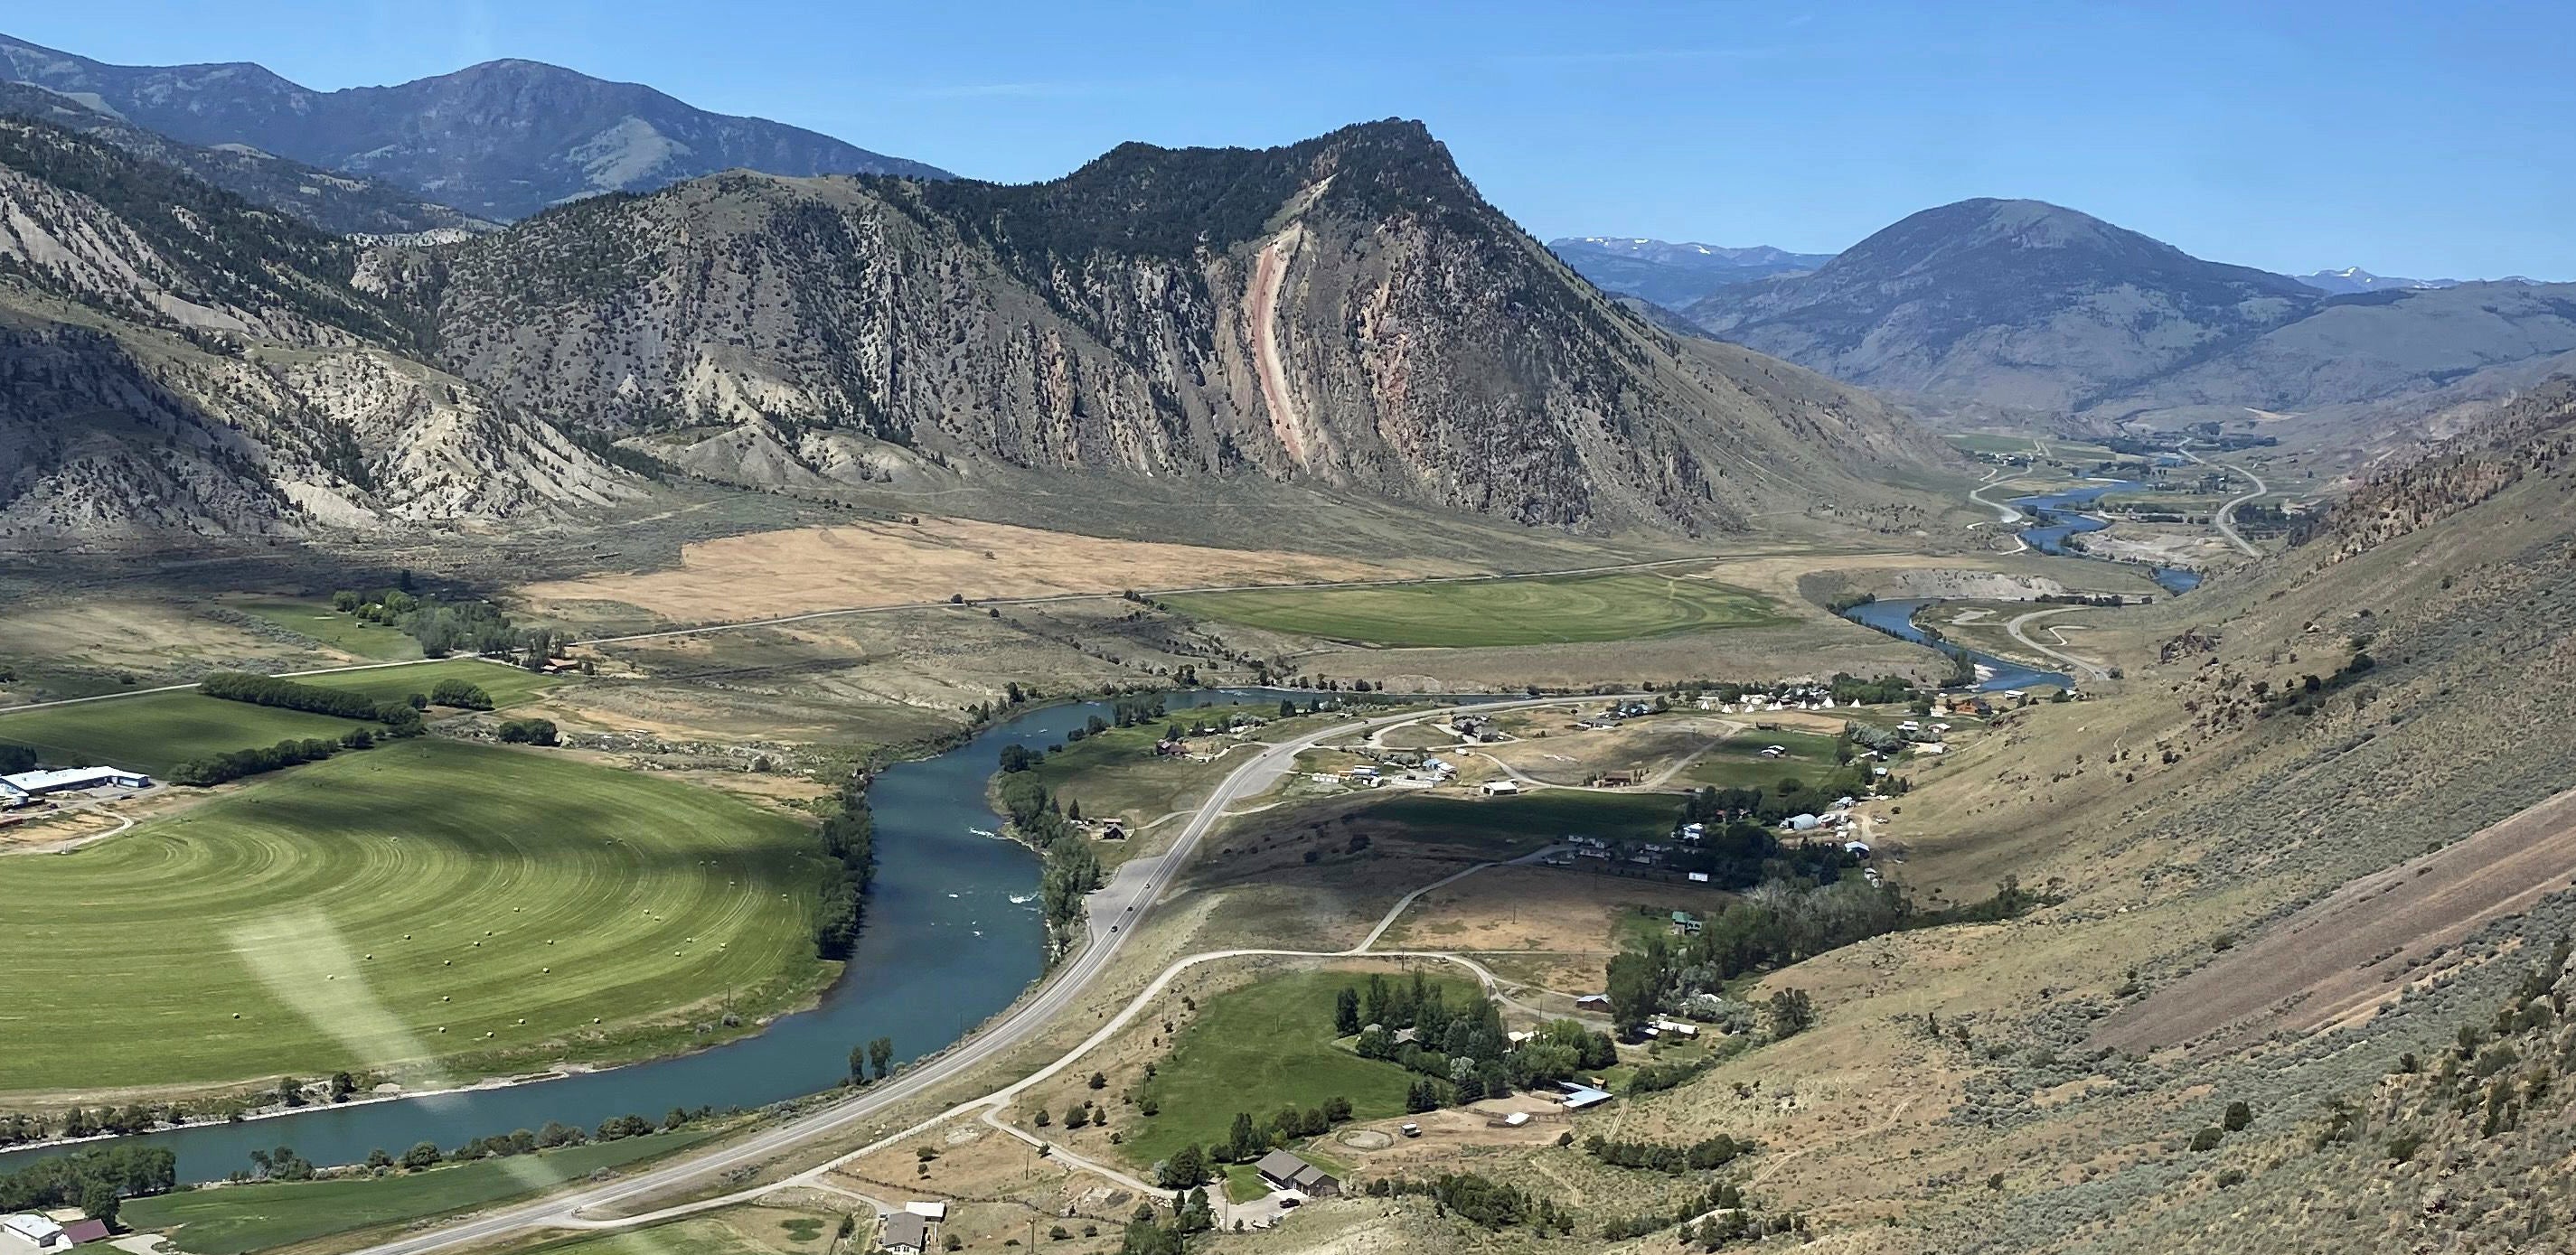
<point x="1738" y="764"/>
<point x="314" y="619"/>
<point x="236" y="1218"/>
<point x="1531" y="819"/>
<point x="158" y="731"/>
<point x="1614" y="607"/>
<point x="400" y="904"/>
<point x="1257" y="1049"/>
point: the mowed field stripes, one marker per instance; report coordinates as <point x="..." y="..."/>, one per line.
<point x="453" y="886"/>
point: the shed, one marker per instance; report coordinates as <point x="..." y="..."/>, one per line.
<point x="84" y="1230"/>
<point x="37" y="1231"/>
<point x="1578" y="1097"/>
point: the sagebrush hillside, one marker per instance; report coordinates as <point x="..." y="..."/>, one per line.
<point x="2372" y="702"/>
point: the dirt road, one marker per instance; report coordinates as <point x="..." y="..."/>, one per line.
<point x="2018" y="628"/>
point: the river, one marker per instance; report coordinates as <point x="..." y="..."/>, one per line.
<point x="1896" y="618"/>
<point x="2061" y="514"/>
<point x="2058" y="515"/>
<point x="952" y="937"/>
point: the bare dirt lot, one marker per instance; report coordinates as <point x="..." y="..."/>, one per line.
<point x="880" y="564"/>
<point x="2361" y="946"/>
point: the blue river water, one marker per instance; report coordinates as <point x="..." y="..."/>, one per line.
<point x="1896" y="618"/>
<point x="952" y="937"/>
<point x="2060" y="515"/>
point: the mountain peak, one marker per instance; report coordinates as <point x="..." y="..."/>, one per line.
<point x="1674" y="275"/>
<point x="500" y="139"/>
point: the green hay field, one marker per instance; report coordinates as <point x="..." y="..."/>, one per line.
<point x="1615" y="607"/>
<point x="347" y="911"/>
<point x="1257" y="1049"/>
<point x="314" y="619"/>
<point x="157" y="731"/>
<point x="234" y="1219"/>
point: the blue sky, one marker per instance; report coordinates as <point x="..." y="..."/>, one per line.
<point x="2424" y="140"/>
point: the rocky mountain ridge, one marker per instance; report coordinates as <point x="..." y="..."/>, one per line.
<point x="1344" y="312"/>
<point x="175" y="361"/>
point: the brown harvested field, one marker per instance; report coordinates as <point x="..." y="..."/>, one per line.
<point x="2340" y="959"/>
<point x="68" y="648"/>
<point x="1654" y="746"/>
<point x="1570" y="915"/>
<point x="882" y="564"/>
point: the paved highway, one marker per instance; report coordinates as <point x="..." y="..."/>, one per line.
<point x="2226" y="516"/>
<point x="1114" y="914"/>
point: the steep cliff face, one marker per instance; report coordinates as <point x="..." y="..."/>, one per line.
<point x="1344" y="311"/>
<point x="175" y="361"/>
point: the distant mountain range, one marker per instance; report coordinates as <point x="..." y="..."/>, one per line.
<point x="499" y="141"/>
<point x="2025" y="304"/>
<point x="1345" y="314"/>
<point x="343" y="204"/>
<point x="1674" y="275"/>
<point x="2355" y="279"/>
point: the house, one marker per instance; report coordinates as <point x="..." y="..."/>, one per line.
<point x="37" y="1231"/>
<point x="1578" y="1097"/>
<point x="1284" y="1171"/>
<point x="1618" y="779"/>
<point x="1686" y="922"/>
<point x="1501" y="788"/>
<point x="904" y="1233"/>
<point x="1678" y="1028"/>
<point x="1592" y="1002"/>
<point x="1931" y="747"/>
<point x="1438" y="769"/>
<point x="85" y="1230"/>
